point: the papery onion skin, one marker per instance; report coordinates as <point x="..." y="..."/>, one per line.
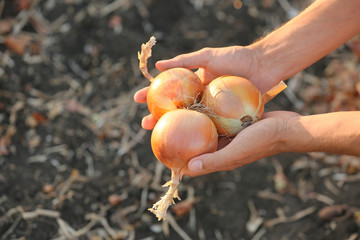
<point x="181" y="135"/>
<point x="172" y="89"/>
<point x="232" y="103"/>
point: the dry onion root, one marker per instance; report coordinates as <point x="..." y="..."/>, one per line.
<point x="188" y="127"/>
<point x="160" y="207"/>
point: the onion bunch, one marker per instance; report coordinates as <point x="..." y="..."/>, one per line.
<point x="191" y="116"/>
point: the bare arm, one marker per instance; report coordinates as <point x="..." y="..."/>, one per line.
<point x="314" y="33"/>
<point x="337" y="132"/>
<point x="280" y="132"/>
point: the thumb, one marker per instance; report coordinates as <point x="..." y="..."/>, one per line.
<point x="192" y="60"/>
<point x="208" y="163"/>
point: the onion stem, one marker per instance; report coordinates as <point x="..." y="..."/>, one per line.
<point x="274" y="91"/>
<point x="160" y="207"/>
<point x="143" y="57"/>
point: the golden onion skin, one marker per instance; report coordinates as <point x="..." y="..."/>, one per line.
<point x="232" y="103"/>
<point x="181" y="135"/>
<point x="172" y="89"/>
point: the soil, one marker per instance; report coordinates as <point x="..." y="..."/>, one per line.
<point x="76" y="164"/>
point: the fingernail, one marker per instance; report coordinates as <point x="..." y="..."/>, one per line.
<point x="196" y="165"/>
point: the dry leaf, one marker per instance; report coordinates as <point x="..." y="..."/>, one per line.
<point x="23" y="42"/>
<point x="3" y="147"/>
<point x="357" y="217"/>
<point x="5" y="140"/>
<point x="331" y="212"/>
<point x="55" y="109"/>
<point x="115" y="23"/>
<point x="76" y="107"/>
<point x="281" y="182"/>
<point x="267" y="3"/>
<point x="32" y="138"/>
<point x="6" y="25"/>
<point x="35" y="119"/>
<point x="18" y="44"/>
<point x="114" y="199"/>
<point x="183" y="208"/>
<point x="280" y="179"/>
<point x="48" y="188"/>
<point x="350" y="164"/>
<point x="39" y="23"/>
<point x="255" y="221"/>
<point x="40" y="118"/>
<point x="22" y="4"/>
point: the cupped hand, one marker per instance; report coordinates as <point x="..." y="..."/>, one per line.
<point x="210" y="64"/>
<point x="148" y="122"/>
<point x="260" y="140"/>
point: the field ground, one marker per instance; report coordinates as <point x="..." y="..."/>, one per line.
<point x="75" y="163"/>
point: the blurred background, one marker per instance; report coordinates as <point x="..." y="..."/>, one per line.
<point x="76" y="164"/>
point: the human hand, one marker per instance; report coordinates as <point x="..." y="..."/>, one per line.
<point x="211" y="63"/>
<point x="215" y="62"/>
<point x="148" y="122"/>
<point x="260" y="140"/>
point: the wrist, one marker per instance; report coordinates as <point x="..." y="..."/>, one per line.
<point x="292" y="136"/>
<point x="276" y="132"/>
<point x="264" y="73"/>
<point x="336" y="132"/>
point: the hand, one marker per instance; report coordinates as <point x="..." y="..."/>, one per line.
<point x="215" y="62"/>
<point x="148" y="122"/>
<point x="211" y="63"/>
<point x="260" y="140"/>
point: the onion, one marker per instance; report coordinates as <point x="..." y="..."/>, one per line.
<point x="179" y="136"/>
<point x="234" y="103"/>
<point x="171" y="89"/>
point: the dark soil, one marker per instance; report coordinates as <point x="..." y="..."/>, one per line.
<point x="75" y="163"/>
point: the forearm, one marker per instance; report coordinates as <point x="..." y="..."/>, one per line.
<point x="317" y="31"/>
<point x="337" y="132"/>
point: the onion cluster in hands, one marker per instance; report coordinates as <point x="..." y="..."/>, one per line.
<point x="228" y="105"/>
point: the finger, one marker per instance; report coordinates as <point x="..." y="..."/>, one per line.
<point x="286" y="114"/>
<point x="140" y="96"/>
<point x="205" y="76"/>
<point x="192" y="60"/>
<point x="210" y="162"/>
<point x="148" y="122"/>
<point x="223" y="142"/>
